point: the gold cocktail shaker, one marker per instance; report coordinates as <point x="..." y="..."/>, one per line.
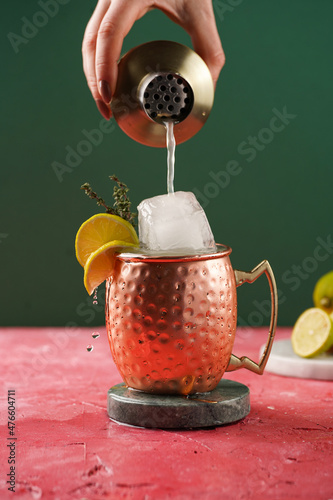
<point x="158" y="82"/>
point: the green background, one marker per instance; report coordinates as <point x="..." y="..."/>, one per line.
<point x="278" y="55"/>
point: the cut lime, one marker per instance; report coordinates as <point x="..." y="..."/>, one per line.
<point x="312" y="333"/>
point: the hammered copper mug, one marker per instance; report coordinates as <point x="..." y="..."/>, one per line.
<point x="171" y="320"/>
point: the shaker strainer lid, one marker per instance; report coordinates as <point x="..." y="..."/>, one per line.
<point x="167" y="96"/>
<point x="159" y="81"/>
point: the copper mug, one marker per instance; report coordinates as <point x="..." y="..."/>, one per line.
<point x="171" y="320"/>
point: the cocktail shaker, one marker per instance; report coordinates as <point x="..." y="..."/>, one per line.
<point x="158" y="82"/>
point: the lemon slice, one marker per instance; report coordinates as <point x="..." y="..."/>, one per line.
<point x="100" y="264"/>
<point x="101" y="229"/>
<point x="312" y="333"/>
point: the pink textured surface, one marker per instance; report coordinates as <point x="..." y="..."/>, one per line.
<point x="67" y="448"/>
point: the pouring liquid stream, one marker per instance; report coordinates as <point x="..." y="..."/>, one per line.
<point x="171" y="146"/>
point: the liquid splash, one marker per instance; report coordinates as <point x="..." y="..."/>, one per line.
<point x="90" y="347"/>
<point x="95" y="335"/>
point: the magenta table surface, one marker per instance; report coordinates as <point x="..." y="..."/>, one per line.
<point x="67" y="447"/>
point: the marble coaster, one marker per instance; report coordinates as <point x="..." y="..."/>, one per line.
<point x="283" y="361"/>
<point x="229" y="402"/>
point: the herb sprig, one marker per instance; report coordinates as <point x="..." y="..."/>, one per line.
<point x="121" y="205"/>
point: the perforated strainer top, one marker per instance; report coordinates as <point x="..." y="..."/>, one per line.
<point x="167" y="97"/>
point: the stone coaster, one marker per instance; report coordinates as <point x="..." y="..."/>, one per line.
<point x="229" y="402"/>
<point x="283" y="361"/>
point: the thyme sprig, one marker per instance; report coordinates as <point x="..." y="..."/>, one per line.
<point x="89" y="192"/>
<point x="121" y="205"/>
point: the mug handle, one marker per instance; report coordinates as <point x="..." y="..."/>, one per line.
<point x="241" y="277"/>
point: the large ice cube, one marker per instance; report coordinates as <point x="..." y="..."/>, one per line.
<point x="174" y="223"/>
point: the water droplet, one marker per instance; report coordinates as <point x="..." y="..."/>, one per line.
<point x="89" y="347"/>
<point x="95" y="301"/>
<point x="95" y="335"/>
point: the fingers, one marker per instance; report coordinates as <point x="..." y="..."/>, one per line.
<point x="112" y="20"/>
<point x="206" y="40"/>
<point x="89" y="53"/>
<point x="199" y="22"/>
<point x="211" y="52"/>
<point x="115" y="25"/>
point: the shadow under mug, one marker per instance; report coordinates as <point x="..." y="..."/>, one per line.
<point x="171" y="321"/>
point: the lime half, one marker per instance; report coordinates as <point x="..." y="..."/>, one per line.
<point x="312" y="333"/>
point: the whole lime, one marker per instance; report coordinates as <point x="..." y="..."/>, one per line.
<point x="323" y="293"/>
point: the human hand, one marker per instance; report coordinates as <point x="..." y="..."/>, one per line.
<point x="113" y="19"/>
